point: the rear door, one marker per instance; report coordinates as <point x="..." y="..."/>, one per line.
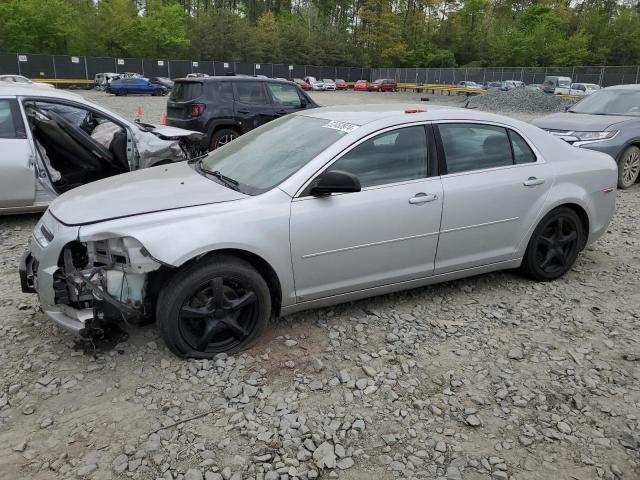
<point x="184" y="93"/>
<point x="494" y="186"/>
<point x="17" y="172"/>
<point x="253" y="105"/>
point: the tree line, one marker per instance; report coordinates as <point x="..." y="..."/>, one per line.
<point x="376" y="33"/>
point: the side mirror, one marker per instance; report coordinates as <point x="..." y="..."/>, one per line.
<point x="335" y="181"/>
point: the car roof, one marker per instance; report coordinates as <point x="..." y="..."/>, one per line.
<point x="228" y="78"/>
<point x="395" y="114"/>
<point x="630" y="86"/>
<point x="13" y="90"/>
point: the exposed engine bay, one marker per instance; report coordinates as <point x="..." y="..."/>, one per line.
<point x="115" y="279"/>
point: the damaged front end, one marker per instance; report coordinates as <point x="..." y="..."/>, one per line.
<point x="111" y="281"/>
<point x="157" y="145"/>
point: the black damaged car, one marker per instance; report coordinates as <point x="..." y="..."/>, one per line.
<point x="226" y="107"/>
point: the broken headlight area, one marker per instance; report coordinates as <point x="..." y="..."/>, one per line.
<point x="111" y="277"/>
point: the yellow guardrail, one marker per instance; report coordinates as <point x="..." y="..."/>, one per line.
<point x="439" y="87"/>
<point x="569" y="97"/>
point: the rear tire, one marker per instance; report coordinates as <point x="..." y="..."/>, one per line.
<point x="217" y="305"/>
<point x="628" y="167"/>
<point x="554" y="245"/>
<point x="222" y="137"/>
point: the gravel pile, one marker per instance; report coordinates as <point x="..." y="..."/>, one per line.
<point x="518" y="100"/>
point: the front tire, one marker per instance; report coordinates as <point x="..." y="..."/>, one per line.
<point x="217" y="305"/>
<point x="554" y="245"/>
<point x="628" y="167"/>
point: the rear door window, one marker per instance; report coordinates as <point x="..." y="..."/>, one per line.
<point x="522" y="152"/>
<point x="183" y="91"/>
<point x="470" y="146"/>
<point x="251" y="93"/>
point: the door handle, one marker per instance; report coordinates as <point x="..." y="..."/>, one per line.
<point x="533" y="181"/>
<point x="244" y="111"/>
<point x="281" y="112"/>
<point x="422" y="198"/>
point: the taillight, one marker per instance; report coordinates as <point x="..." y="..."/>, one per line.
<point x="197" y="109"/>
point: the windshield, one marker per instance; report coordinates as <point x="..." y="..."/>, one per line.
<point x="264" y="157"/>
<point x="378" y="81"/>
<point x="610" y="102"/>
<point x="564" y="82"/>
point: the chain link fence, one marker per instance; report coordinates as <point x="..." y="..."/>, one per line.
<point x="68" y="68"/>
<point x="84" y="69"/>
<point x="604" y="76"/>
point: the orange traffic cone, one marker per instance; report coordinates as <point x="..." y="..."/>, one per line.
<point x="164" y="119"/>
<point x="139" y="112"/>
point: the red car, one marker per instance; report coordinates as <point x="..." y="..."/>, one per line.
<point x="361" y="85"/>
<point x="302" y="84"/>
<point x="383" y="85"/>
<point x="341" y="84"/>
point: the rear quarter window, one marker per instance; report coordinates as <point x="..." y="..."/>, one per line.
<point x="186" y="91"/>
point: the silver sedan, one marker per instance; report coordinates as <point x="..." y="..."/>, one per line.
<point x="313" y="209"/>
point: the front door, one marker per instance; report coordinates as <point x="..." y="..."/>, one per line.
<point x="494" y="188"/>
<point x="285" y="98"/>
<point x="384" y="234"/>
<point x="17" y="183"/>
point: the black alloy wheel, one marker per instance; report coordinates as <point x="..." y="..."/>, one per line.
<point x="554" y="245"/>
<point x="218" y="316"/>
<point x="216" y="305"/>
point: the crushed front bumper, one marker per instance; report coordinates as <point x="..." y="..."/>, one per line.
<point x="37" y="269"/>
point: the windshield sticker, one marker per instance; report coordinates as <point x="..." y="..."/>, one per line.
<point x="342" y="126"/>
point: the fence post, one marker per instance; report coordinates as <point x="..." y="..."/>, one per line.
<point x="573" y="74"/>
<point x="55" y="74"/>
<point x="601" y="75"/>
<point x="18" y="61"/>
<point x="86" y="69"/>
<point x="637" y="73"/>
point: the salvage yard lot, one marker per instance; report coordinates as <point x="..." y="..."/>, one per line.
<point x="489" y="377"/>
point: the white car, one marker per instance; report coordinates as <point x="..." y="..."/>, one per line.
<point x="329" y="84"/>
<point x="12" y="80"/>
<point x="349" y="201"/>
<point x="469" y="85"/>
<point x="53" y="141"/>
<point x="582" y="89"/>
<point x="314" y="83"/>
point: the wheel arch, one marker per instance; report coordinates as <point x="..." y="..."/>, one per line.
<point x="216" y="124"/>
<point x="263" y="267"/>
<point x="572" y="204"/>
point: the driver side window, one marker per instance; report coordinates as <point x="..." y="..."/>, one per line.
<point x="395" y="156"/>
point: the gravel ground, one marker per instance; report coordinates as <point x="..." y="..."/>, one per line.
<point x="492" y="377"/>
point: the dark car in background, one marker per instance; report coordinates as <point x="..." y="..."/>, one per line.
<point x="164" y="81"/>
<point x="226" y="107"/>
<point x="608" y="121"/>
<point x="139" y="86"/>
<point x="383" y="85"/>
